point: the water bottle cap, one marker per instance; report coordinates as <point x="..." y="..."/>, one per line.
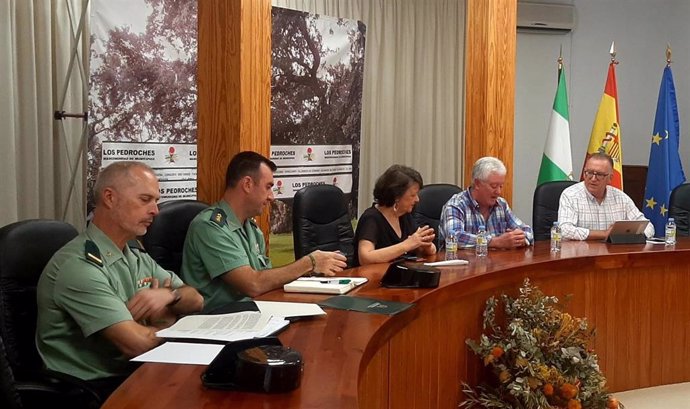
<point x="555" y="223"/>
<point x="671" y="219"/>
<point x="482" y="227"/>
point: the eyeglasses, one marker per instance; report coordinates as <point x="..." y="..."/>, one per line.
<point x="597" y="175"/>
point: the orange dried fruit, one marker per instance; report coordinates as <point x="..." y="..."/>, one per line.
<point x="574" y="404"/>
<point x="497" y="352"/>
<point x="568" y="391"/>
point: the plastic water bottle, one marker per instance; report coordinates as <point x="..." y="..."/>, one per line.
<point x="482" y="247"/>
<point x="670" y="232"/>
<point x="555" y="237"/>
<point x="451" y="246"/>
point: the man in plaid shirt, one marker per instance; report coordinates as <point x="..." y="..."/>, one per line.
<point x="587" y="209"/>
<point x="482" y="204"/>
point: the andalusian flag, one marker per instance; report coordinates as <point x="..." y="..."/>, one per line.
<point x="557" y="163"/>
<point x="606" y="131"/>
<point x="665" y="169"/>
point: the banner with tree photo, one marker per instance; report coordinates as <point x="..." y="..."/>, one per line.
<point x="316" y="107"/>
<point x="142" y="98"/>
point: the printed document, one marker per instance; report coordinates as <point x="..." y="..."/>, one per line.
<point x="224" y="327"/>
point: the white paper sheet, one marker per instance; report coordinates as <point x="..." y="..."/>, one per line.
<point x="289" y="309"/>
<point x="181" y="353"/>
<point x="444" y="263"/>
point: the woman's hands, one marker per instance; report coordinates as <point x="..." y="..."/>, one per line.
<point x="422" y="238"/>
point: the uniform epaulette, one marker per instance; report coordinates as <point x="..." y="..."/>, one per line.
<point x="92" y="253"/>
<point x="137" y="245"/>
<point x="218" y="216"/>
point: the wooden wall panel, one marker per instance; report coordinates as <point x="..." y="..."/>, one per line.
<point x="234" y="78"/>
<point x="490" y="84"/>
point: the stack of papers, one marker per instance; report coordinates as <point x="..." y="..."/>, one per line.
<point x="324" y="285"/>
<point x="224" y="327"/>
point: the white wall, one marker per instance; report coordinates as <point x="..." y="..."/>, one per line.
<point x="641" y="30"/>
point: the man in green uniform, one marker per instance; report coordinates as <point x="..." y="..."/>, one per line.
<point x="224" y="253"/>
<point x="100" y="300"/>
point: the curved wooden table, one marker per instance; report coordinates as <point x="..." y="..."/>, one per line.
<point x="635" y="295"/>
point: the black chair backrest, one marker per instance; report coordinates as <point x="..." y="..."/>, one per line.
<point x="25" y="249"/>
<point x="545" y="207"/>
<point x="9" y="395"/>
<point x="431" y="200"/>
<point x="164" y="239"/>
<point x="679" y="209"/>
<point x="320" y="221"/>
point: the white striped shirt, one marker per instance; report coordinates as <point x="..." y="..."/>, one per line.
<point x="579" y="211"/>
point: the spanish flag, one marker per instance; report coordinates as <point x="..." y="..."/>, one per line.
<point x="606" y="131"/>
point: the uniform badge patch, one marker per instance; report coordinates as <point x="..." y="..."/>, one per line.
<point x="92" y="253"/>
<point x="218" y="216"/>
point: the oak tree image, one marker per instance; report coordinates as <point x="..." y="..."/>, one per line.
<point x="315" y="100"/>
<point x="143" y="84"/>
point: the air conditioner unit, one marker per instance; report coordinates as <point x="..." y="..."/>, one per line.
<point x="541" y="17"/>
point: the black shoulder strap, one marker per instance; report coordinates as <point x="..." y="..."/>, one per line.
<point x="92" y="253"/>
<point x="218" y="216"/>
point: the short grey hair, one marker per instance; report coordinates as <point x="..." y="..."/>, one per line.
<point x="487" y="165"/>
<point x="115" y="175"/>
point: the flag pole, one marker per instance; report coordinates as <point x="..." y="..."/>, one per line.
<point x="612" y="52"/>
<point x="560" y="62"/>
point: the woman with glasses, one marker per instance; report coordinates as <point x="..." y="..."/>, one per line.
<point x="386" y="230"/>
<point x="587" y="210"/>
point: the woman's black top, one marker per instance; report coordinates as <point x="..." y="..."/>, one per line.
<point x="373" y="226"/>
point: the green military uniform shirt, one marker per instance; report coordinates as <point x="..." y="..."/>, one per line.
<point x="217" y="243"/>
<point x="82" y="290"/>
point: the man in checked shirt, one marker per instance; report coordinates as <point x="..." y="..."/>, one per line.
<point x="587" y="209"/>
<point x="482" y="204"/>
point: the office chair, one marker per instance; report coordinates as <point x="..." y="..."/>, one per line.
<point x="164" y="239"/>
<point x="545" y="207"/>
<point x="9" y="395"/>
<point x="431" y="200"/>
<point x="320" y="221"/>
<point x="25" y="248"/>
<point x="679" y="209"/>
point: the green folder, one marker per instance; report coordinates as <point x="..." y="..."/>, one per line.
<point x="370" y="305"/>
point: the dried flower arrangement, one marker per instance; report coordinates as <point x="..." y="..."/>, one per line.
<point x="540" y="359"/>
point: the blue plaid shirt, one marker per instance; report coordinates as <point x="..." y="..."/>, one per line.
<point x="461" y="214"/>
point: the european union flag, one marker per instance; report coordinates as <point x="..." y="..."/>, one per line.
<point x="665" y="169"/>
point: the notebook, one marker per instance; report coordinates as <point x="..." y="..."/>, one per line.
<point x="324" y="285"/>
